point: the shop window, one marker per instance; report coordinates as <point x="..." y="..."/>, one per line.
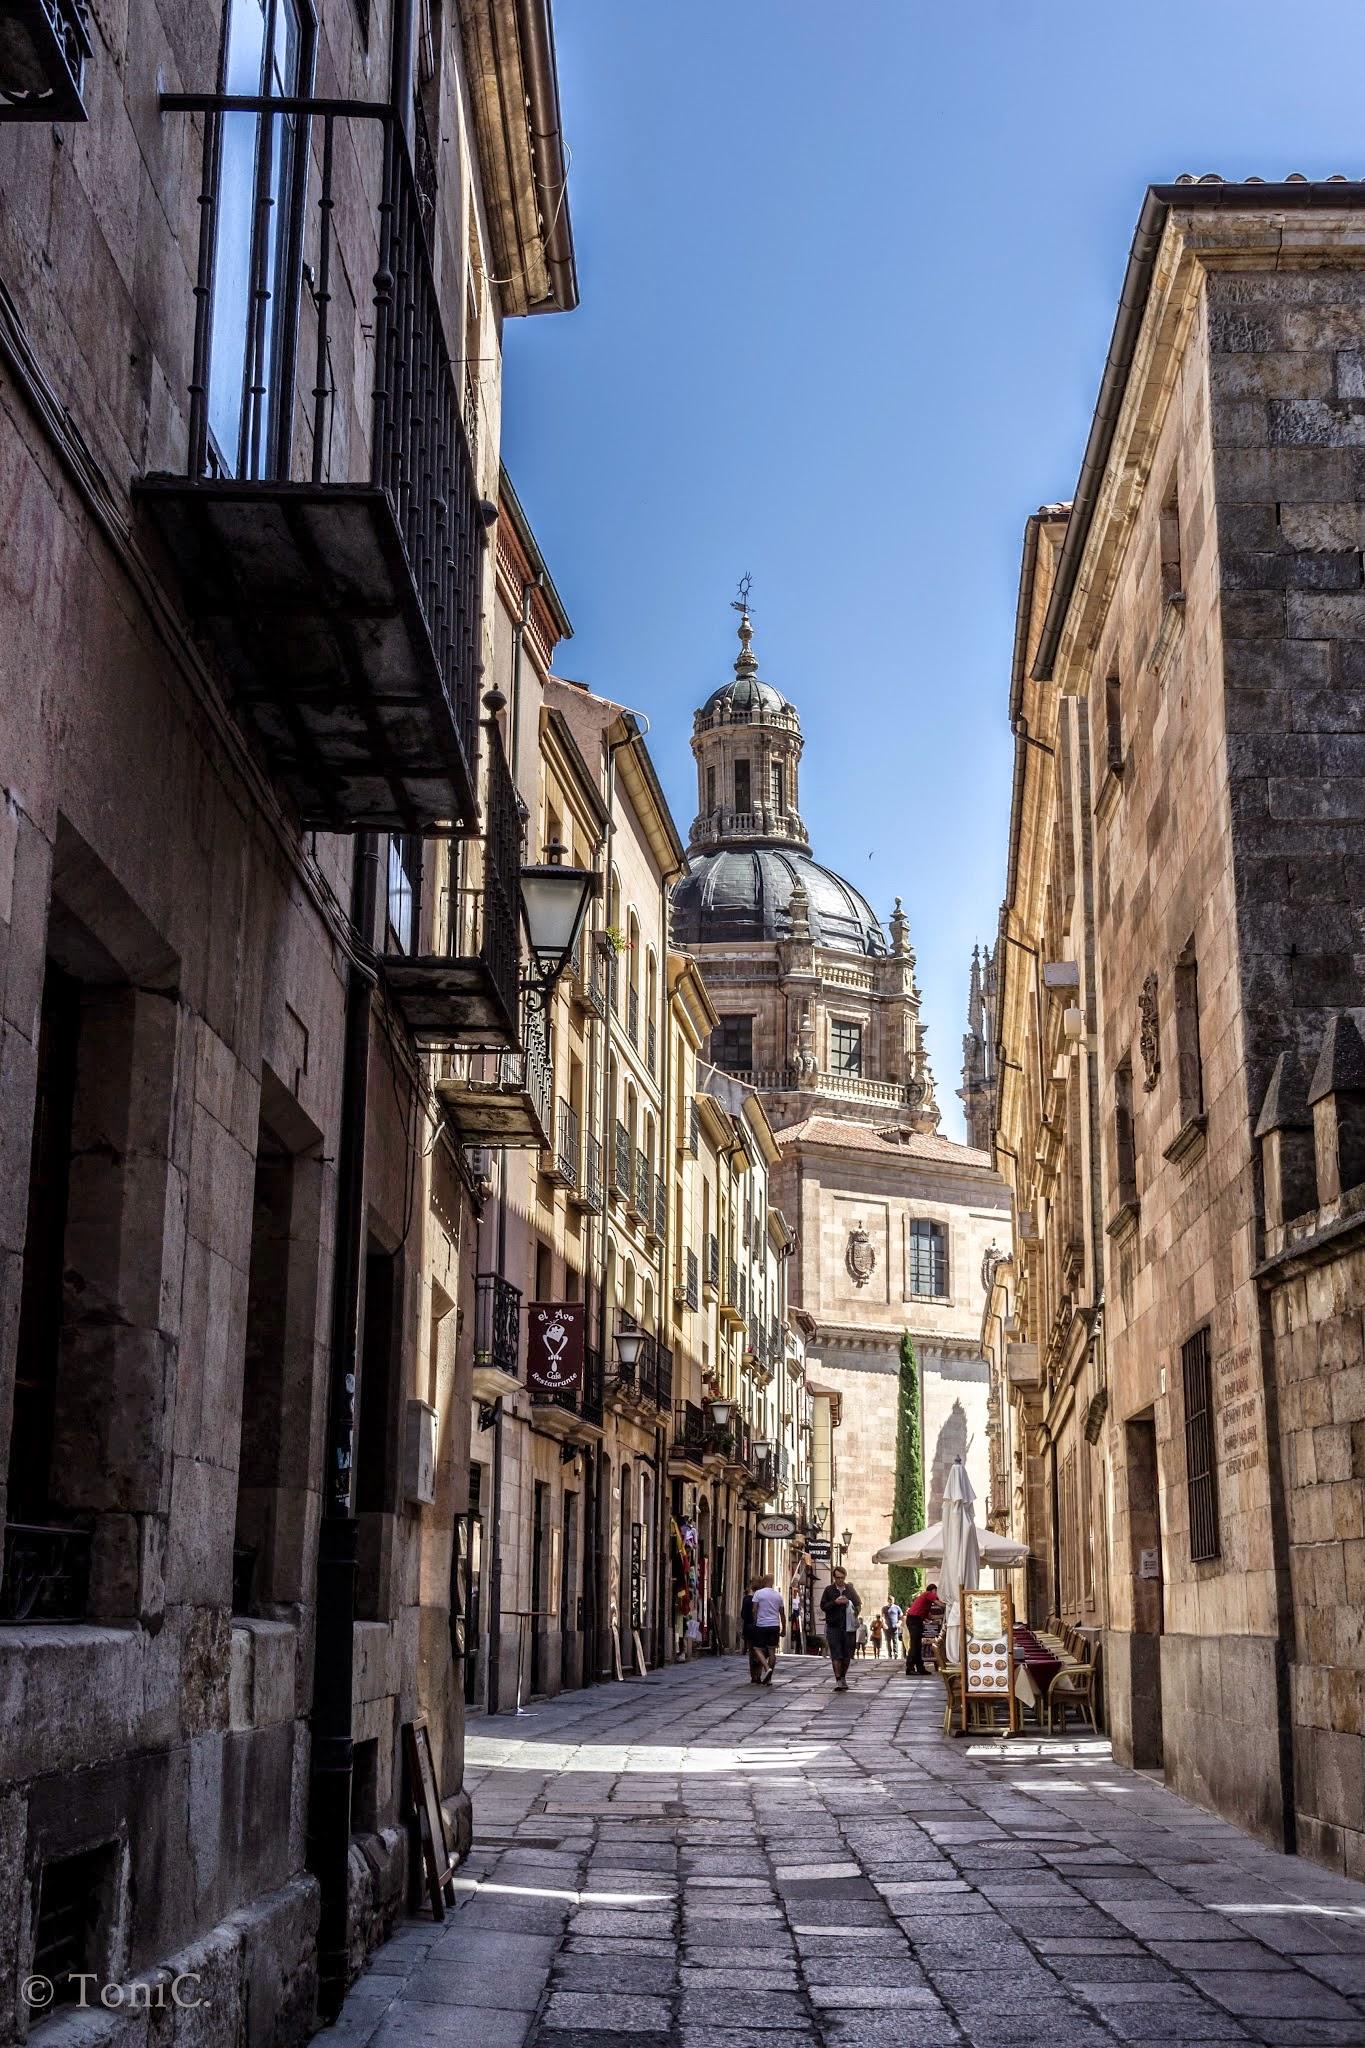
<point x="845" y="1047"/>
<point x="88" y="1431"/>
<point x="732" y="1045"/>
<point x="1201" y="1478"/>
<point x="72" y="1937"/>
<point x="928" y="1259"/>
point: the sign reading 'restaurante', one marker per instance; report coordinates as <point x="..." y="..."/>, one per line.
<point x="554" y="1347"/>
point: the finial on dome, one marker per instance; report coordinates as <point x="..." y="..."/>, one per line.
<point x="746" y="662"/>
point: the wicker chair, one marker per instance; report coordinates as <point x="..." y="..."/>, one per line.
<point x="1072" y="1686"/>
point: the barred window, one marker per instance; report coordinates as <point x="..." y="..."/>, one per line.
<point x="845" y="1048"/>
<point x="1201" y="1476"/>
<point x="928" y="1258"/>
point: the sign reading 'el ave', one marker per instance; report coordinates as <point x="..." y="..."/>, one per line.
<point x="554" y="1347"/>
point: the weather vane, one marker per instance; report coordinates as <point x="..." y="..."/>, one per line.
<point x="741" y="603"/>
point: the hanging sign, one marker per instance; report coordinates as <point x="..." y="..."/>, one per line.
<point x="554" y="1347"/>
<point x="819" y="1549"/>
<point x="776" y="1528"/>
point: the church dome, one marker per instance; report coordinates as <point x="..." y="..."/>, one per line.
<point x="741" y="697"/>
<point x="743" y="893"/>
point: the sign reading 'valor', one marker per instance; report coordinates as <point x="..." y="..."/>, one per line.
<point x="554" y="1347"/>
<point x="776" y="1527"/>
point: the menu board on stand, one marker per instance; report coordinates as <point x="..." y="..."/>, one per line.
<point x="988" y="1652"/>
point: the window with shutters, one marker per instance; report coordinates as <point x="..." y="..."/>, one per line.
<point x="1201" y="1477"/>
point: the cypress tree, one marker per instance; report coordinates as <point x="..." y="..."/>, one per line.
<point x="907" y="1504"/>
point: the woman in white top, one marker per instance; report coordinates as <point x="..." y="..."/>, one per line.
<point x="769" y="1621"/>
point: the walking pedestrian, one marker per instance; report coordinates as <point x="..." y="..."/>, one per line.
<point x="921" y="1607"/>
<point x="878" y="1630"/>
<point x="746" y="1630"/>
<point x="892" y="1614"/>
<point x="840" y="1605"/>
<point x="769" y="1621"/>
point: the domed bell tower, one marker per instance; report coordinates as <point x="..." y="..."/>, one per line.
<point x="746" y="740"/>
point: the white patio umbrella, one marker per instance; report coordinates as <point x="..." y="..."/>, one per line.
<point x="961" y="1554"/>
<point x="925" y="1546"/>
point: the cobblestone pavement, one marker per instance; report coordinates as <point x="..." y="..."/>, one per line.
<point x="689" y="1859"/>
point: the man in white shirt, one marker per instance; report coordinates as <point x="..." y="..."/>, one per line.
<point x="769" y="1621"/>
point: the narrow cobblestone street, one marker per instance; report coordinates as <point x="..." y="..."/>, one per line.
<point x="689" y="1860"/>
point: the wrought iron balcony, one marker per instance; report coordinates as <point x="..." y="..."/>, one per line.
<point x="501" y="1098"/>
<point x="641" y="1200"/>
<point x="689" y="1142"/>
<point x="689" y="1431"/>
<point x="621" y="1165"/>
<point x="564" y="1161"/>
<point x="44" y="49"/>
<point x="660" y="1205"/>
<point x="470" y="990"/>
<point x="587" y="1193"/>
<point x="651" y="1044"/>
<point x="497" y="1336"/>
<point x="689" y="1287"/>
<point x="330" y="540"/>
<point x="46" y="1573"/>
<point x="633" y="1015"/>
<point x="731" y="1299"/>
<point x="713" y="1262"/>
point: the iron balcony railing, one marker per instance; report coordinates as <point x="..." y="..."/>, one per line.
<point x="621" y="1164"/>
<point x="691" y="1280"/>
<point x="566" y="1145"/>
<point x="591" y="1184"/>
<point x="497" y="1324"/>
<point x="651" y="1044"/>
<point x="633" y="1015"/>
<point x="503" y="1097"/>
<point x="713" y="1261"/>
<point x="689" y="1429"/>
<point x="643" y="1177"/>
<point x="691" y="1144"/>
<point x="732" y="1282"/>
<point x="594" y="984"/>
<point x="331" y="396"/>
<point x="44" y="48"/>
<point x="663" y="1377"/>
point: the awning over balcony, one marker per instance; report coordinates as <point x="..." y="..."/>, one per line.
<point x="315" y="616"/>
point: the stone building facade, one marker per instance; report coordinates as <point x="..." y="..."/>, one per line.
<point x="818" y="1012"/>
<point x="1203" y="623"/>
<point x="248" y="800"/>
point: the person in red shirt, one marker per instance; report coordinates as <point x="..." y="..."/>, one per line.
<point x="921" y="1607"/>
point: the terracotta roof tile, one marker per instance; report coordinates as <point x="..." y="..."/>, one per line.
<point x="833" y="1130"/>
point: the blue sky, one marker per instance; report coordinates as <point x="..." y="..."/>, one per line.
<point x="848" y="275"/>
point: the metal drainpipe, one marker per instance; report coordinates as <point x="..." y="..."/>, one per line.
<point x="602" y="1535"/>
<point x="329" y="1803"/>
<point x="494" y="1688"/>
